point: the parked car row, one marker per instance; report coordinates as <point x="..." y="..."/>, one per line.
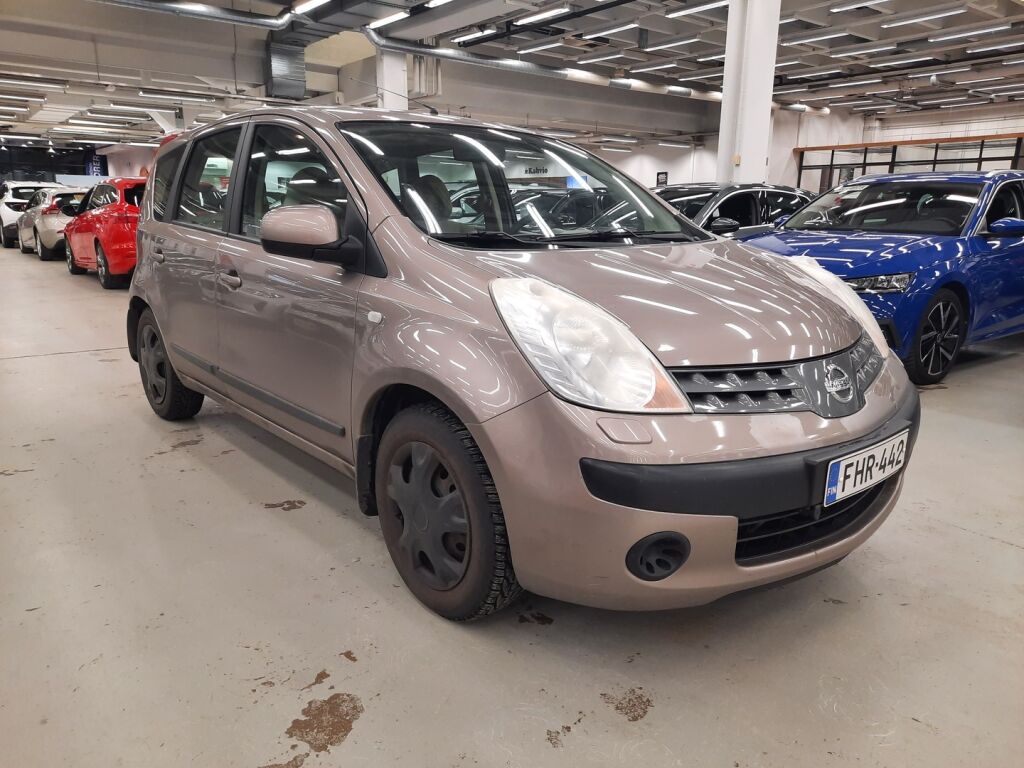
<point x="95" y="228"/>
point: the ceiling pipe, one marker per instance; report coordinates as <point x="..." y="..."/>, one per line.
<point x="552" y="21"/>
<point x="206" y="12"/>
<point x="529" y="68"/>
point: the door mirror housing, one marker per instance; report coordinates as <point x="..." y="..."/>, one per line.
<point x="782" y="220"/>
<point x="1007" y="227"/>
<point x="724" y="226"/>
<point x="69" y="210"/>
<point x="309" y="232"/>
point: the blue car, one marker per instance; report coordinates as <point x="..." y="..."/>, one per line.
<point x="938" y="257"/>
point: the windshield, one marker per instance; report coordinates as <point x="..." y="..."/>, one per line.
<point x="469" y="184"/>
<point x="23" y="193"/>
<point x="910" y="207"/>
<point x="688" y="201"/>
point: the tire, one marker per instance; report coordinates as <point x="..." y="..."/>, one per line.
<point x="938" y="340"/>
<point x="73" y="267"/>
<point x="21" y="243"/>
<point x="441" y="516"/>
<point x="107" y="280"/>
<point x="45" y="254"/>
<point x="8" y="242"/>
<point x="168" y="397"/>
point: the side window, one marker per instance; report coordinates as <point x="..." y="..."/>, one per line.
<point x="1006" y="204"/>
<point x="163" y="178"/>
<point x="98" y="198"/>
<point x="204" y="188"/>
<point x="35" y="200"/>
<point x="780" y="204"/>
<point x="287" y="168"/>
<point x="739" y="207"/>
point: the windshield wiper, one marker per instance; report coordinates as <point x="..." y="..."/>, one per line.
<point x="483" y="237"/>
<point x="601" y="235"/>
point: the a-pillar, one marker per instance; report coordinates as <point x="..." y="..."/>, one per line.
<point x="392" y="80"/>
<point x="745" y="131"/>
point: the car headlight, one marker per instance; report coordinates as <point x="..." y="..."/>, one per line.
<point x="839" y="289"/>
<point x="581" y="352"/>
<point x="881" y="283"/>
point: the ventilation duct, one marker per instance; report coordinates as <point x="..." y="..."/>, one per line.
<point x="285" y="71"/>
<point x="210" y="13"/>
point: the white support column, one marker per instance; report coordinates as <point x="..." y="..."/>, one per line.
<point x="746" y="124"/>
<point x="392" y="80"/>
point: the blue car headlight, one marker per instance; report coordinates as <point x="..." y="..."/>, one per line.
<point x="897" y="283"/>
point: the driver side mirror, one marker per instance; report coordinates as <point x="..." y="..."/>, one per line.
<point x="782" y="220"/>
<point x="70" y="210"/>
<point x="1008" y="227"/>
<point x="308" y="232"/>
<point x="724" y="226"/>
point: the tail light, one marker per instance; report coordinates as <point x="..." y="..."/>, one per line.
<point x="52" y="209"/>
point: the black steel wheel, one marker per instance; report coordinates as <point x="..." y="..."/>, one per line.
<point x="939" y="338"/>
<point x="440" y="515"/>
<point x="168" y="397"/>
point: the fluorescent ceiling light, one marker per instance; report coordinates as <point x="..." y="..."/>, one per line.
<point x="540" y="46"/>
<point x="850" y="103"/>
<point x="968" y="104"/>
<point x="18" y="136"/>
<point x="612" y="31"/>
<point x="854" y="83"/>
<point x="879" y="93"/>
<point x="1008" y="93"/>
<point x="474" y="34"/>
<point x="999" y="87"/>
<point x="792" y="90"/>
<point x="558" y="134"/>
<point x="533" y="18"/>
<point x="919" y="19"/>
<point x="309" y="5"/>
<point x="388" y="20"/>
<point x="970" y="33"/>
<point x="437" y="3"/>
<point x="716" y="57"/>
<point x="697" y="9"/>
<point x="980" y="80"/>
<point x="995" y="47"/>
<point x="901" y="62"/>
<point x="815" y="39"/>
<point x="816" y="74"/>
<point x="175" y="97"/>
<point x="615" y="149"/>
<point x="673" y="144"/>
<point x="12" y="97"/>
<point x="673" y="44"/>
<point x="819" y="98"/>
<point x="131" y="108"/>
<point x="655" y="67"/>
<point x="12" y="108"/>
<point x="941" y="72"/>
<point x="620" y="139"/>
<point x="787" y="63"/>
<point x="31" y="83"/>
<point x="1013" y="61"/>
<point x="702" y="77"/>
<point x="942" y="101"/>
<point x="788" y="20"/>
<point x="862" y="51"/>
<point x="603" y="57"/>
<point x="76" y="121"/>
<point x="873" y="109"/>
<point x="853" y="6"/>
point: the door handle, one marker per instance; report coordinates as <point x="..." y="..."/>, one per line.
<point x="231" y="280"/>
<point x="158" y="254"/>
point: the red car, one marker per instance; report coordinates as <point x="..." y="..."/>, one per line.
<point x="101" y="236"/>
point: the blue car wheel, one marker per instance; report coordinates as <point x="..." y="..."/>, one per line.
<point x="939" y="338"/>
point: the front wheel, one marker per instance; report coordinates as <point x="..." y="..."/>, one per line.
<point x="939" y="338"/>
<point x="73" y="267"/>
<point x="441" y="517"/>
<point x="168" y="397"/>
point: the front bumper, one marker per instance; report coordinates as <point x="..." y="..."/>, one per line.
<point x="698" y="476"/>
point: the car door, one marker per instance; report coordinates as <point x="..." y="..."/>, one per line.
<point x="287" y="325"/>
<point x="181" y="237"/>
<point x="739" y="206"/>
<point x="996" y="268"/>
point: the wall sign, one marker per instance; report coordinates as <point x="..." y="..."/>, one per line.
<point x="662" y="178"/>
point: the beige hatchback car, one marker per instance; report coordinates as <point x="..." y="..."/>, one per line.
<point x="630" y="416"/>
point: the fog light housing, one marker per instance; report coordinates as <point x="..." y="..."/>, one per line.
<point x="658" y="556"/>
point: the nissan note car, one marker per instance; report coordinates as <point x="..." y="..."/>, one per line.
<point x="639" y="418"/>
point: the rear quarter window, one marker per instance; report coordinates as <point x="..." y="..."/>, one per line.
<point x="163" y="180"/>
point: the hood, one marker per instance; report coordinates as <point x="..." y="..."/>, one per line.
<point x="696" y="304"/>
<point x="858" y="254"/>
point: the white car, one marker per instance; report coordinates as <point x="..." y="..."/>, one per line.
<point x="41" y="226"/>
<point x="14" y="196"/>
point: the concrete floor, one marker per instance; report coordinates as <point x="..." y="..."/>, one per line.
<point x="170" y="592"/>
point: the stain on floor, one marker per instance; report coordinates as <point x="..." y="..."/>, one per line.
<point x="286" y="506"/>
<point x="633" y="705"/>
<point x="322" y="675"/>
<point x="535" y="617"/>
<point x="295" y="762"/>
<point x="327" y="722"/>
<point x="348" y="655"/>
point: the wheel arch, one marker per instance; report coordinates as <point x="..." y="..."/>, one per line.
<point x="959" y="289"/>
<point x="135" y="309"/>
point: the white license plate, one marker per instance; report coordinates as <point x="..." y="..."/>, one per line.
<point x="863" y="469"/>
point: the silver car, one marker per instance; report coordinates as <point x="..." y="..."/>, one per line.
<point x="41" y="226"/>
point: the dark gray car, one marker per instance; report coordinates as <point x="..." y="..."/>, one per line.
<point x="734" y="209"/>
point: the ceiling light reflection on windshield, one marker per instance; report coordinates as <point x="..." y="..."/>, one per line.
<point x="480" y="148"/>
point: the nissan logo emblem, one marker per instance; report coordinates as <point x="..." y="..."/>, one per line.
<point x="838" y="384"/>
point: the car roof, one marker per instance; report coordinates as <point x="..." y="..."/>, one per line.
<point x="714" y="187"/>
<point x="976" y="177"/>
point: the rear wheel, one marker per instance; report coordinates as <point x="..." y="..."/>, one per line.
<point x="7" y="240"/>
<point x="45" y="254"/>
<point x="441" y="516"/>
<point x="939" y="338"/>
<point x="107" y="280"/>
<point x="169" y="398"/>
<point x="21" y="243"/>
<point x="73" y="267"/>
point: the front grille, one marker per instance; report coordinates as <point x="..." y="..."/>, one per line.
<point x="798" y="386"/>
<point x="786" y="534"/>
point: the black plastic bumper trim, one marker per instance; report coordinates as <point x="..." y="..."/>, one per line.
<point x="744" y="488"/>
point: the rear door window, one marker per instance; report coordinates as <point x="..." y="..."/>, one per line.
<point x="778" y="203"/>
<point x="163" y="179"/>
<point x="205" y="186"/>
